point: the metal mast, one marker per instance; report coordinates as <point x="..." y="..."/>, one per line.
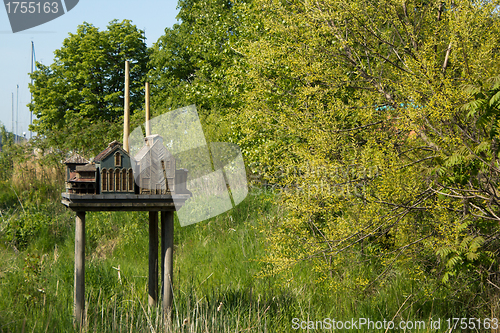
<point x="17" y="113"/>
<point x="31" y="93"/>
<point x="12" y="128"/>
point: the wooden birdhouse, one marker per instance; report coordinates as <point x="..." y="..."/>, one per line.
<point x="114" y="170"/>
<point x="80" y="175"/>
<point x="108" y="183"/>
<point x="156" y="167"/>
<point x="71" y="164"/>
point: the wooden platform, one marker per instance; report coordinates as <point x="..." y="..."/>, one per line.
<point x="123" y="202"/>
<point x="81" y="203"/>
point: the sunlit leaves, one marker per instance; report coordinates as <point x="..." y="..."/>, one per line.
<point x="363" y="85"/>
<point x="191" y="62"/>
<point x="78" y="100"/>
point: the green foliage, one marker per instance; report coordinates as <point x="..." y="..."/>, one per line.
<point x="32" y="227"/>
<point x="6" y="143"/>
<point x="78" y="100"/>
<point x="354" y="109"/>
<point x="30" y="210"/>
<point x="376" y="121"/>
<point x="191" y="63"/>
<point x="7" y="195"/>
<point x="36" y="285"/>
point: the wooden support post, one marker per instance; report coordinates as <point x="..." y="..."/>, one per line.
<point x="79" y="309"/>
<point x="153" y="259"/>
<point x="167" y="251"/>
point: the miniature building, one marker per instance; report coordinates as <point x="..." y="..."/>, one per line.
<point x="71" y="164"/>
<point x="80" y="175"/>
<point x="111" y="171"/>
<point x="114" y="170"/>
<point x="156" y="167"/>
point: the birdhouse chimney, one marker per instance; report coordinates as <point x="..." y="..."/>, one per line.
<point x="148" y="115"/>
<point x="126" y="118"/>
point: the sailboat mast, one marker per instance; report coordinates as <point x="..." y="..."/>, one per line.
<point x="31" y="93"/>
<point x="12" y="128"/>
<point x="17" y="113"/>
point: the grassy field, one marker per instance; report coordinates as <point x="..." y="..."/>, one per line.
<point x="216" y="264"/>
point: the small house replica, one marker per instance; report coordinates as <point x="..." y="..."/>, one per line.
<point x="112" y="171"/>
<point x="115" y="170"/>
<point x="156" y="169"/>
<point x="80" y="175"/>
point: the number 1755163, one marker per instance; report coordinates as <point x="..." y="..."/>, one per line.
<point x="472" y="323"/>
<point x="33" y="7"/>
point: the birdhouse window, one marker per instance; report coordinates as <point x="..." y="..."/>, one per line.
<point x="118" y="159"/>
<point x="123" y="175"/>
<point x="104" y="180"/>
<point x="117" y="181"/>
<point x="130" y="181"/>
<point x="111" y="180"/>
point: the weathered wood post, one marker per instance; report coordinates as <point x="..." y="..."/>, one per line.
<point x="153" y="232"/>
<point x="167" y="251"/>
<point x="153" y="259"/>
<point x="79" y="268"/>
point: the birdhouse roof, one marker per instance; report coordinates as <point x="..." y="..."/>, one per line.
<point x="76" y="159"/>
<point x="86" y="167"/>
<point x="142" y="152"/>
<point x="153" y="142"/>
<point x="112" y="147"/>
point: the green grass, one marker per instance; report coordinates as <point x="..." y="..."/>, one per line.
<point x="215" y="283"/>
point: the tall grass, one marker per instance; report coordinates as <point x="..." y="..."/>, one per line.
<point x="215" y="288"/>
<point x="216" y="264"/>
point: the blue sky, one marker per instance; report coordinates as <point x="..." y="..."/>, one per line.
<point x="153" y="16"/>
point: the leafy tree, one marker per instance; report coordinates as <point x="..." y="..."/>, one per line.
<point x="78" y="100"/>
<point x="356" y="110"/>
<point x="6" y="138"/>
<point x="191" y="63"/>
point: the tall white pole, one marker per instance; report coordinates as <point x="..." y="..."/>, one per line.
<point x="17" y="113"/>
<point x="12" y="128"/>
<point x="31" y="94"/>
